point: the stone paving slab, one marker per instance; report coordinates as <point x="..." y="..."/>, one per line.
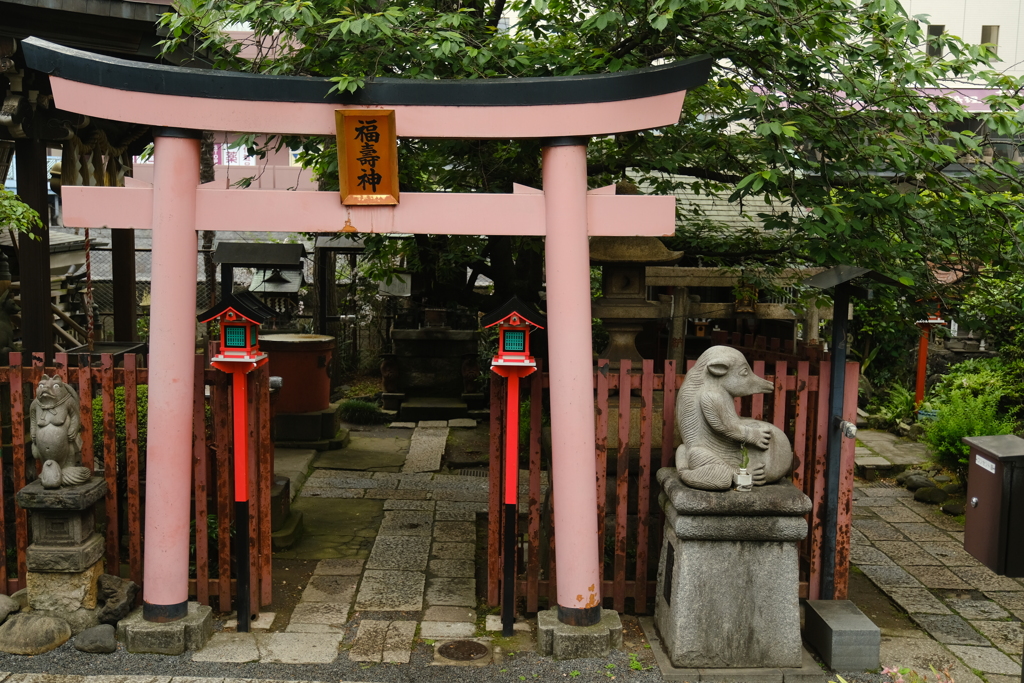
<point x="334" y="589"/>
<point x="452" y="551"/>
<point x="938" y="577"/>
<point x="369" y="642"/>
<point x="406" y="523"/>
<point x="234" y="648"/>
<point x="328" y="613"/>
<point x="985" y="579"/>
<point x="460" y="495"/>
<point x="454" y="516"/>
<point x="454" y="532"/>
<point x="920" y="654"/>
<point x="398" y="642"/>
<point x="298" y="648"/>
<point x="907" y="553"/>
<point x="886" y="576"/>
<point x="974" y="609"/>
<point x="877" y="530"/>
<point x="896" y="513"/>
<point x="386" y="445"/>
<point x="917" y="601"/>
<point x="949" y="629"/>
<point x="462" y="423"/>
<point x="921" y="531"/>
<point x="403" y="553"/>
<point x="293" y="627"/>
<point x="446" y="613"/>
<point x="426" y="449"/>
<point x="1008" y="636"/>
<point x="400" y="504"/>
<point x="446" y="630"/>
<point x="337" y="566"/>
<point x="390" y="591"/>
<point x="330" y="492"/>
<point x="1013" y="602"/>
<point x="451" y="591"/>
<point x="986" y="659"/>
<point x="866" y="554"/>
<point x="452" y="568"/>
<point x="388" y="494"/>
<point x="950" y="554"/>
<point x="462" y="506"/>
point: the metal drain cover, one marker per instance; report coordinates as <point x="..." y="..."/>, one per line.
<point x="463" y="650"/>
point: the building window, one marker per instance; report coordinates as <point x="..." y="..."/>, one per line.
<point x="934" y="31"/>
<point x="990" y="37"/>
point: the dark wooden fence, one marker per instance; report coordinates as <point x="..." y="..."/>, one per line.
<point x="122" y="516"/>
<point x="629" y="519"/>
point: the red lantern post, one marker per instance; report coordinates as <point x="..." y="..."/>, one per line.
<point x="240" y="316"/>
<point x="515" y="321"/>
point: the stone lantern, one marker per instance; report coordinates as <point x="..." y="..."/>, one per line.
<point x="623" y="306"/>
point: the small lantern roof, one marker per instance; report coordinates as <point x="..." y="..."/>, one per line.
<point x="244" y="303"/>
<point x="515" y="305"/>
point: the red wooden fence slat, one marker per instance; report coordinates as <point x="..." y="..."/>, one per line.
<point x="817" y="483"/>
<point x="18" y="436"/>
<point x="532" y="591"/>
<point x="200" y="492"/>
<point x="252" y="444"/>
<point x="800" y="411"/>
<point x="668" y="415"/>
<point x="60" y="364"/>
<point x="779" y="397"/>
<point x="222" y="434"/>
<point x="644" y="485"/>
<point x="494" y="491"/>
<point x="85" y="397"/>
<point x="601" y="440"/>
<point x="265" y="460"/>
<point x="113" y="551"/>
<point x="131" y="422"/>
<point x="847" y="453"/>
<point x="622" y="487"/>
<point x="757" y="400"/>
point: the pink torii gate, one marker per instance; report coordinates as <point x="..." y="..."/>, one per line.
<point x="180" y="102"/>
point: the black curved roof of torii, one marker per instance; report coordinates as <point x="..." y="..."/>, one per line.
<point x="92" y="69"/>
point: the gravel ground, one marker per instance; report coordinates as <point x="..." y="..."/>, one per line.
<point x="525" y="666"/>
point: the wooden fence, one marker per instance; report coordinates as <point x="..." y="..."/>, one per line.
<point x="121" y="518"/>
<point x="630" y="523"/>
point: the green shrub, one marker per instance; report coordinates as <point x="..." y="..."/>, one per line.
<point x="976" y="376"/>
<point x="361" y="413"/>
<point x="964" y="414"/>
<point x="121" y="435"/>
<point x="898" y="406"/>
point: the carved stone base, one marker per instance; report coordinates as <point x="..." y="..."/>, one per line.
<point x="728" y="579"/>
<point x="62" y="558"/>
<point x="64" y="591"/>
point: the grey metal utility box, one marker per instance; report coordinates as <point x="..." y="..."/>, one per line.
<point x="994" y="531"/>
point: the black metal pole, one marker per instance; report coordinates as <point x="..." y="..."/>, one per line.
<point x="242" y="608"/>
<point x="508" y="600"/>
<point x="227" y="277"/>
<point x="837" y="389"/>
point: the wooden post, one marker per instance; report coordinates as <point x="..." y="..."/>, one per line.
<point x="122" y="256"/>
<point x="34" y="254"/>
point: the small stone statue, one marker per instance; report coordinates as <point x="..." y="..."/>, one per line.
<point x="713" y="434"/>
<point x="56" y="434"/>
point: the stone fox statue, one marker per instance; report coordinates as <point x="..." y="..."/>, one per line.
<point x="56" y="432"/>
<point x="712" y="432"/>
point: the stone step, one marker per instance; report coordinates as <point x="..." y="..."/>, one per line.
<point x="289" y="533"/>
<point x="420" y="408"/>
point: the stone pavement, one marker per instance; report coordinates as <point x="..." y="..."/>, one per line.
<point x="6" y="677"/>
<point x="395" y="544"/>
<point x="914" y="554"/>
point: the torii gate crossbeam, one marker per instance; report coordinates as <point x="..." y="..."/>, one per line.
<point x="563" y="111"/>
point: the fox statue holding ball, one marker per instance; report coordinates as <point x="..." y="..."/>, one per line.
<point x="713" y="435"/>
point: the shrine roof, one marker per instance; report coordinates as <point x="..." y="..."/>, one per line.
<point x="515" y="305"/>
<point x="244" y="303"/>
<point x="121" y="74"/>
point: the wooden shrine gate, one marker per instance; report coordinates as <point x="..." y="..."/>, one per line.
<point x="123" y="467"/>
<point x="630" y="523"/>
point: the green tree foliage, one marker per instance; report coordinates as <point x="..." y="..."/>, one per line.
<point x="17" y="215"/>
<point x="813" y="107"/>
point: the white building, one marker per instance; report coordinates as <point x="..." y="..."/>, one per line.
<point x="993" y="22"/>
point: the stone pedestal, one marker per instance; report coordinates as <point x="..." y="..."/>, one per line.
<point x="562" y="641"/>
<point x="728" y="579"/>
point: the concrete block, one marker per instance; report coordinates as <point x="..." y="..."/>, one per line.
<point x="167" y="638"/>
<point x="571" y="642"/>
<point x="844" y="637"/>
<point x="446" y="630"/>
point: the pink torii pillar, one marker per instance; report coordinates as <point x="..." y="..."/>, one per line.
<point x="563" y="111"/>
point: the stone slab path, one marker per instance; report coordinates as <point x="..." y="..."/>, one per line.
<point x="396" y="548"/>
<point x="915" y="555"/>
